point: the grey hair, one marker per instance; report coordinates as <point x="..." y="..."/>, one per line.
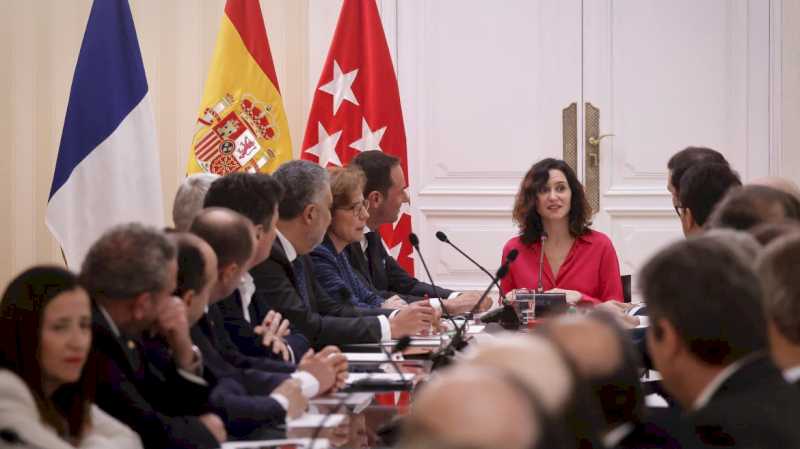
<point x="742" y="243"/>
<point x="126" y="261"/>
<point x="303" y="183"/>
<point x="777" y="269"/>
<point x="189" y="199"/>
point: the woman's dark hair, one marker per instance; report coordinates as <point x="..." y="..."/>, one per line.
<point x="525" y="215"/>
<point x="21" y="312"/>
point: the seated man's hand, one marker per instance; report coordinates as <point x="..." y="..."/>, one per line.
<point x="329" y="367"/>
<point x="395" y="302"/>
<point x="290" y="389"/>
<point x="413" y="319"/>
<point x="466" y="301"/>
<point x="272" y="331"/>
<point x="214" y="425"/>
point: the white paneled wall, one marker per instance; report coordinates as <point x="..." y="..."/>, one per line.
<point x="464" y="171"/>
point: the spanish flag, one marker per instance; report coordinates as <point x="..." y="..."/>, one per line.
<point x="241" y="125"/>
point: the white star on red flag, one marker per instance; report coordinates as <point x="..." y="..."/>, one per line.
<point x="357" y="96"/>
<point x="341" y="87"/>
<point x="325" y="149"/>
<point x="369" y="140"/>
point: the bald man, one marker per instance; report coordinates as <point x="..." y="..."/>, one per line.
<point x="473" y="407"/>
<point x="605" y="358"/>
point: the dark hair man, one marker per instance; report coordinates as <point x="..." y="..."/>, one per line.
<point x="778" y="268"/>
<point x="702" y="186"/>
<point x="752" y="205"/>
<point x="130" y="273"/>
<point x="385" y="191"/>
<point x="682" y="161"/>
<point x="707" y="336"/>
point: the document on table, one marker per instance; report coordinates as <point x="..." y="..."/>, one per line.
<point x="314" y="420"/>
<point x="300" y="443"/>
<point x="355" y="401"/>
<point x="366" y="356"/>
<point x="388" y="377"/>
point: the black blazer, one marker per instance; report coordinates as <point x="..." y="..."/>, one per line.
<point x="325" y="321"/>
<point x="382" y="272"/>
<point x="754" y="408"/>
<point x="241" y="334"/>
<point x="239" y="395"/>
<point x="213" y="324"/>
<point x="145" y="391"/>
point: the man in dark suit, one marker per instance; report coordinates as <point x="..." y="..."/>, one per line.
<point x="130" y="273"/>
<point x="255" y="196"/>
<point x="385" y="191"/>
<point x="229" y="234"/>
<point x="251" y="401"/>
<point x="707" y="338"/>
<point x="777" y="270"/>
<point x="605" y="357"/>
<point x="285" y="282"/>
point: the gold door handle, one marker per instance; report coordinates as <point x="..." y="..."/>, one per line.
<point x="595" y="141"/>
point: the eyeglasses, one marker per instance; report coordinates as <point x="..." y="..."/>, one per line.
<point x="357" y="208"/>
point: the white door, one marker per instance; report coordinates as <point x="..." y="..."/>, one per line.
<point x="486" y="89"/>
<point x="663" y="76"/>
<point x="482" y="85"/>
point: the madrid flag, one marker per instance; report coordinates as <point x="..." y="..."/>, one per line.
<point x="241" y="125"/>
<point x="356" y="107"/>
<point x="107" y="171"/>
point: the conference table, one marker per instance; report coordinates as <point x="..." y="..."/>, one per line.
<point x="354" y="418"/>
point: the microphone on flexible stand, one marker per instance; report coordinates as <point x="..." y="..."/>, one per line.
<point x="458" y="342"/>
<point x="540" y="284"/>
<point x="402" y="343"/>
<point x="506" y="315"/>
<point x="415" y="243"/>
<point x="443" y="238"/>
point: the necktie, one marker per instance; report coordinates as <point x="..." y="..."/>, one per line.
<point x="300" y="280"/>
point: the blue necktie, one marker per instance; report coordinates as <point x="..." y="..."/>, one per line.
<point x="300" y="280"/>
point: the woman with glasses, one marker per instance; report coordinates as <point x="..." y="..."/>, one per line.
<point x="348" y="219"/>
<point x="46" y="370"/>
<point x="553" y="216"/>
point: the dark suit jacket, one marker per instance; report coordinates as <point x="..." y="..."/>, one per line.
<point x="241" y="334"/>
<point x="147" y="394"/>
<point x="754" y="408"/>
<point x="239" y="395"/>
<point x="214" y="325"/>
<point x="325" y="320"/>
<point x="382" y="272"/>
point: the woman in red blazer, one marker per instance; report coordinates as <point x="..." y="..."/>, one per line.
<point x="551" y="211"/>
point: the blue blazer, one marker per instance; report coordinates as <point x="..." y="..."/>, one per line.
<point x="335" y="275"/>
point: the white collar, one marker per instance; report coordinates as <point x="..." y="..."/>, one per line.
<point x="247" y="288"/>
<point x="364" y="243"/>
<point x="288" y="248"/>
<point x="613" y="437"/>
<point x="111" y="322"/>
<point x="713" y="386"/>
<point x="792" y="374"/>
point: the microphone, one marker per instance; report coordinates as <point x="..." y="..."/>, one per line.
<point x="443" y="238"/>
<point x="402" y="344"/>
<point x="415" y="243"/>
<point x="540" y="285"/>
<point x="442" y="358"/>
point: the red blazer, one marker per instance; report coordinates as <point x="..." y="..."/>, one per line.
<point x="591" y="267"/>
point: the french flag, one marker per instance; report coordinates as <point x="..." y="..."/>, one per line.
<point x="107" y="171"/>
